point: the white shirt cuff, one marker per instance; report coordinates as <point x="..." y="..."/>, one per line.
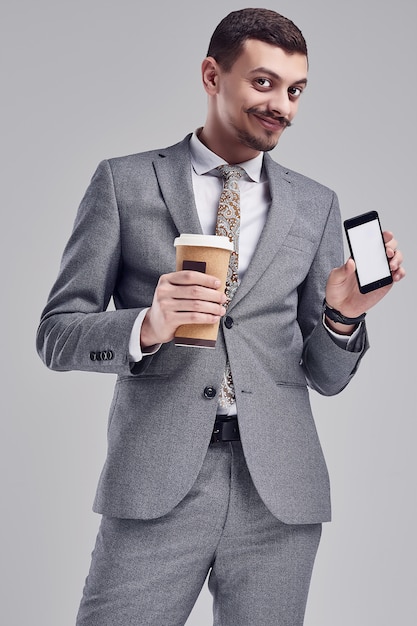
<point x="343" y="341"/>
<point x="135" y="352"/>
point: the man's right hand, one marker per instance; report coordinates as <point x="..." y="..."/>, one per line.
<point x="185" y="297"/>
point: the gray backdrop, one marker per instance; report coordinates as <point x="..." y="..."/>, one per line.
<point x="92" y="79"/>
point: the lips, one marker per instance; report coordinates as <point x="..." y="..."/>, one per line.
<point x="271" y="124"/>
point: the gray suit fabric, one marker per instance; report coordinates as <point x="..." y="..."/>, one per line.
<point x="150" y="572"/>
<point x="164" y="408"/>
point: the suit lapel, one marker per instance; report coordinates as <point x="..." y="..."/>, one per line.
<point x="173" y="171"/>
<point x="278" y="223"/>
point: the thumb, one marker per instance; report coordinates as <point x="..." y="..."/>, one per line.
<point x="349" y="267"/>
<point x="340" y="275"/>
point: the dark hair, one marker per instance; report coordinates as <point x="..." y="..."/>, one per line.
<point x="265" y="25"/>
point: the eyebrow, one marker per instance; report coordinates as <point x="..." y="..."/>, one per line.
<point x="265" y="70"/>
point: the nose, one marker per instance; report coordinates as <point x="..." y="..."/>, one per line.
<point x="280" y="103"/>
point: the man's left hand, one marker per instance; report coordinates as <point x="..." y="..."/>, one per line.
<point x="342" y="291"/>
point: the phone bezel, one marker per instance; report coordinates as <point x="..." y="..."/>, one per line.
<point x="357" y="221"/>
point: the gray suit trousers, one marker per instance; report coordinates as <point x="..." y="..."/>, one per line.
<point x="150" y="572"/>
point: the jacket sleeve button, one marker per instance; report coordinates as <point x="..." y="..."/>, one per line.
<point x="93" y="356"/>
<point x="209" y="392"/>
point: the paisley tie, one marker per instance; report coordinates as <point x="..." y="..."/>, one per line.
<point x="228" y="225"/>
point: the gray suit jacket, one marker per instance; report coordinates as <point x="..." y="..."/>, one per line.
<point x="163" y="409"/>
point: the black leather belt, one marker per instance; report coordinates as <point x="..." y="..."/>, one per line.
<point x="225" y="428"/>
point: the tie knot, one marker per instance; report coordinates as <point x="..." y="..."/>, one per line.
<point x="231" y="172"/>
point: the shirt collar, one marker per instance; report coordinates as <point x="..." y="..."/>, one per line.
<point x="204" y="160"/>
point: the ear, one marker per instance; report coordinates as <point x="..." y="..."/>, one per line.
<point x="210" y="75"/>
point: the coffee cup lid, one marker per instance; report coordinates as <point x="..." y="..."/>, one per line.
<point x="210" y="241"/>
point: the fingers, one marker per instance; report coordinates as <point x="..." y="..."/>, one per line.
<point x="390" y="243"/>
<point x="395" y="259"/>
<point x="189" y="290"/>
<point x="185" y="297"/>
<point x="190" y="277"/>
<point x="395" y="263"/>
<point x="391" y="248"/>
<point x="395" y="256"/>
<point x="387" y="235"/>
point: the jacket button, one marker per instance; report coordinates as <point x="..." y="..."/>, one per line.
<point x="93" y="356"/>
<point x="209" y="392"/>
<point x="110" y="354"/>
<point x="228" y="321"/>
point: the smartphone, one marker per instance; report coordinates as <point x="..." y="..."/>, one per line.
<point x="367" y="247"/>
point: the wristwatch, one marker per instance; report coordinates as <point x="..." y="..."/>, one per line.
<point x="337" y="316"/>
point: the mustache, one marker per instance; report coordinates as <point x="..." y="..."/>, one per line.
<point x="277" y="118"/>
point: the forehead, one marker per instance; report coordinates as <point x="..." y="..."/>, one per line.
<point x="259" y="54"/>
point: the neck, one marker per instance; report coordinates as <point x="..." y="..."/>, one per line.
<point x="231" y="151"/>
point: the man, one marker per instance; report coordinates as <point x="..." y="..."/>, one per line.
<point x="198" y="480"/>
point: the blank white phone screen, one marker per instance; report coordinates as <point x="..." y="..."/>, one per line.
<point x="369" y="252"/>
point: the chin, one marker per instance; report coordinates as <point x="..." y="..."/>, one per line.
<point x="260" y="144"/>
<point x="271" y="145"/>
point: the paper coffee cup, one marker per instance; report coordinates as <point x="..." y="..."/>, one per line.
<point x="209" y="254"/>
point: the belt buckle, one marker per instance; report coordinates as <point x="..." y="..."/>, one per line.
<point x="226" y="429"/>
<point x="216" y="436"/>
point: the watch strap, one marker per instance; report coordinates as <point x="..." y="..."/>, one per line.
<point x="338" y="317"/>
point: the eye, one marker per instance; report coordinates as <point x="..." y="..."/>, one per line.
<point x="265" y="83"/>
<point x="295" y="92"/>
